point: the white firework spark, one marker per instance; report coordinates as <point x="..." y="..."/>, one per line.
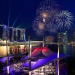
<point x="63" y="20"/>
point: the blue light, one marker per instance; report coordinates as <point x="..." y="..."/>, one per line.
<point x="5" y="27"/>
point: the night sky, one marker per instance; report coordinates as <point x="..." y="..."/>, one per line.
<point x="23" y="12"/>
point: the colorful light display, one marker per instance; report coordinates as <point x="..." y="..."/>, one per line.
<point x="49" y="56"/>
<point x="45" y="12"/>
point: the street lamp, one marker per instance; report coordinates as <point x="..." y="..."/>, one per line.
<point x="29" y="56"/>
<point x="58" y="56"/>
<point x="7" y="38"/>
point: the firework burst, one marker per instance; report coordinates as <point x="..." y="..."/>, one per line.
<point x="47" y="6"/>
<point x="45" y="12"/>
<point x="63" y="20"/>
<point x="50" y="18"/>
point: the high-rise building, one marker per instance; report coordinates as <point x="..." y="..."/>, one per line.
<point x="5" y="32"/>
<point x="59" y="37"/>
<point x="13" y="34"/>
<point x="64" y="37"/>
<point x="22" y="34"/>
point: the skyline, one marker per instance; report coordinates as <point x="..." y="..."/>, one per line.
<point x="22" y="13"/>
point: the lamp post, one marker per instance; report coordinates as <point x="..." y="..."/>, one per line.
<point x="58" y="56"/>
<point x="58" y="59"/>
<point x="29" y="57"/>
<point x="7" y="36"/>
<point x="8" y="68"/>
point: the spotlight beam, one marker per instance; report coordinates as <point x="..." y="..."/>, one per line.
<point x="16" y="19"/>
<point x="9" y="18"/>
<point x="21" y="24"/>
